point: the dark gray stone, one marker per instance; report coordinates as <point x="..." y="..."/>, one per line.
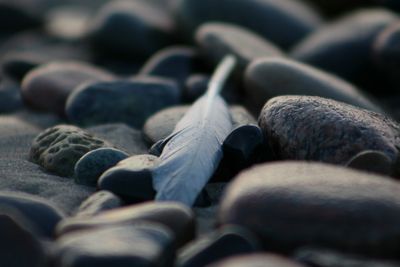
<point x="294" y="204"/>
<point x="130" y="102"/>
<point x="134" y="29"/>
<point x="177" y="217"/>
<point x="97" y="203"/>
<point x="91" y="166"/>
<point x="319" y="129"/>
<point x="131" y="178"/>
<point x="19" y="15"/>
<point x="57" y="149"/>
<point x="267" y="78"/>
<point x="48" y="86"/>
<point x="372" y="161"/>
<point x="294" y="18"/>
<point x="216" y="40"/>
<point x="144" y="244"/>
<point x="257" y="260"/>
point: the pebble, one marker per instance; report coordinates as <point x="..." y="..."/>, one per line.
<point x="293" y="204"/>
<point x="18" y="246"/>
<point x="343" y="47"/>
<point x="48" y="86"/>
<point x="295" y="19"/>
<point x="177" y="217"/>
<point x="42" y="215"/>
<point x="130" y="102"/>
<point x="162" y="123"/>
<point x="372" y="161"/>
<point x="257" y="260"/>
<point x="97" y="203"/>
<point x="143" y="244"/>
<point x="57" y="149"/>
<point x="229" y="241"/>
<point x="131" y="178"/>
<point x="216" y="40"/>
<point x="91" y="166"/>
<point x="175" y="62"/>
<point x="134" y="29"/>
<point x="270" y="77"/>
<point x="319" y="129"/>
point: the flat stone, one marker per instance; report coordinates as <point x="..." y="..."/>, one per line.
<point x="325" y="130"/>
<point x="257" y="260"/>
<point x="145" y="244"/>
<point x="97" y="203"/>
<point x="269" y="77"/>
<point x="295" y="19"/>
<point x="294" y="204"/>
<point x="130" y="102"/>
<point x="131" y="178"/>
<point x="57" y="149"/>
<point x="216" y="40"/>
<point x="175" y="216"/>
<point x="134" y="29"/>
<point x="48" y="86"/>
<point x="344" y="46"/>
<point x="91" y="166"/>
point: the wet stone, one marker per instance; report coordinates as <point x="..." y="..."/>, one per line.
<point x="145" y="244"/>
<point x="334" y="134"/>
<point x="97" y="203"/>
<point x="177" y="217"/>
<point x="267" y="78"/>
<point x="130" y="102"/>
<point x="57" y="149"/>
<point x="134" y="29"/>
<point x="91" y="166"/>
<point x="295" y="19"/>
<point x="216" y="40"/>
<point x="294" y="204"/>
<point x="131" y="178"/>
<point x="48" y="86"/>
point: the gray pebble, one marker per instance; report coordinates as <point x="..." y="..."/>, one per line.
<point x="97" y="203"/>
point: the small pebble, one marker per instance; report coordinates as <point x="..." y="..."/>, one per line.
<point x="91" y="166"/>
<point x="97" y="203"/>
<point x="57" y="149"/>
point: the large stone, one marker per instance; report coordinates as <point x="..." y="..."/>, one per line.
<point x="57" y="149"/>
<point x="319" y="129"/>
<point x="269" y="77"/>
<point x="130" y="102"/>
<point x="294" y="18"/>
<point x="293" y="204"/>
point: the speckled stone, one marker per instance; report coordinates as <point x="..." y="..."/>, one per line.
<point x="91" y="166"/>
<point x="319" y="129"/>
<point x="48" y="86"/>
<point x="57" y="149"/>
<point x="177" y="217"/>
<point x="293" y="204"/>
<point x="257" y="260"/>
<point x="216" y="40"/>
<point x="130" y="102"/>
<point x="269" y="77"/>
<point x="97" y="203"/>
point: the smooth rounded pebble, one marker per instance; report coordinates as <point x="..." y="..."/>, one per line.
<point x="269" y="77"/>
<point x="134" y="29"/>
<point x="131" y="178"/>
<point x="130" y="102"/>
<point x="372" y="161"/>
<point x="295" y="19"/>
<point x="229" y="241"/>
<point x="293" y="204"/>
<point x="48" y="86"/>
<point x="175" y="216"/>
<point x="97" y="203"/>
<point x="319" y="129"/>
<point x="216" y="40"/>
<point x="257" y="260"/>
<point x="41" y="214"/>
<point x="343" y="47"/>
<point x="144" y="244"/>
<point x="91" y="166"/>
<point x="57" y="149"/>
